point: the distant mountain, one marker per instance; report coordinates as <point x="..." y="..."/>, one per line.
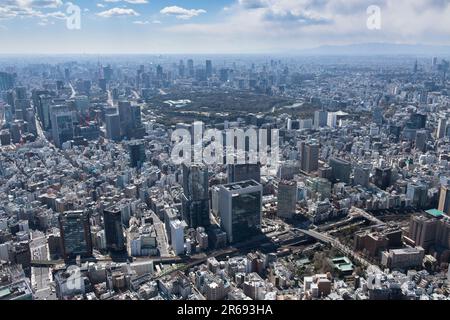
<point x="379" y="49"/>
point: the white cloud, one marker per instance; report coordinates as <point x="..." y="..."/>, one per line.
<point x="182" y="13"/>
<point x="33" y="3"/>
<point x="129" y="1"/>
<point x="118" y="12"/>
<point x="141" y="22"/>
<point x="100" y="5"/>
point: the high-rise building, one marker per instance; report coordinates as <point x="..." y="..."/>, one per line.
<point x="240" y="209"/>
<point x="361" y="176"/>
<point x="444" y="200"/>
<point x="209" y="69"/>
<point x="383" y="177"/>
<point x="62" y="125"/>
<point x="340" y="170"/>
<point x="75" y="234"/>
<point x="115" y="240"/>
<point x="112" y="122"/>
<point x="309" y="156"/>
<point x="320" y="119"/>
<point x="417" y="121"/>
<point x="190" y="67"/>
<point x="130" y="120"/>
<point x="418" y="193"/>
<point x="136" y="148"/>
<point x="421" y="140"/>
<point x="441" y="128"/>
<point x="287" y="199"/>
<point x="6" y="81"/>
<point x="177" y="236"/>
<point x="195" y="198"/>
<point x="243" y="172"/>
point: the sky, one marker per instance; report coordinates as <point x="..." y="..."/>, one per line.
<point x="215" y="26"/>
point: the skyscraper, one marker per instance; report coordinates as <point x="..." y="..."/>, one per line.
<point x="320" y="119"/>
<point x="340" y="170"/>
<point x="441" y="128"/>
<point x="287" y="199"/>
<point x="240" y="209"/>
<point x="136" y="149"/>
<point x="62" y="125"/>
<point x="177" y="236"/>
<point x="383" y="177"/>
<point x="361" y="176"/>
<point x="112" y="126"/>
<point x="115" y="240"/>
<point x="244" y="172"/>
<point x="75" y="234"/>
<point x="190" y="67"/>
<point x="444" y="200"/>
<point x="209" y="69"/>
<point x="6" y="81"/>
<point x="309" y="156"/>
<point x="195" y="197"/>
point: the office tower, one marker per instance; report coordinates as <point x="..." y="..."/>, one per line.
<point x="287" y="199"/>
<point x="243" y="172"/>
<point x="130" y="120"/>
<point x="67" y="74"/>
<point x="112" y="122"/>
<point x="195" y="197"/>
<point x="383" y="177"/>
<point x="441" y="128"/>
<point x="361" y="176"/>
<point x="418" y="194"/>
<point x="159" y="72"/>
<point x="5" y="137"/>
<point x="240" y="210"/>
<point x="421" y="140"/>
<point x="190" y="67"/>
<point x="14" y="129"/>
<point x="377" y="115"/>
<point x="340" y="170"/>
<point x="444" y="199"/>
<point x="309" y="156"/>
<point x="21" y="93"/>
<point x="76" y="236"/>
<point x="209" y="69"/>
<point x="181" y="69"/>
<point x="44" y="105"/>
<point x="125" y="117"/>
<point x="136" y="149"/>
<point x="115" y="240"/>
<point x="107" y="73"/>
<point x="417" y="121"/>
<point x="434" y="62"/>
<point x="320" y="119"/>
<point x="6" y="81"/>
<point x="62" y="125"/>
<point x="224" y="75"/>
<point x="177" y="236"/>
<point x="103" y="84"/>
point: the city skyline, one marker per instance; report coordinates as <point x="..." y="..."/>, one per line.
<point x="209" y="27"/>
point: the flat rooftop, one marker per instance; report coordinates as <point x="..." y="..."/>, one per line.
<point x="241" y="185"/>
<point x="435" y="213"/>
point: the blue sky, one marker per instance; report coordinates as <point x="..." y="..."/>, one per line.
<point x="215" y="26"/>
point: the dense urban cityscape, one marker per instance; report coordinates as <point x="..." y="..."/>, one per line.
<point x="224" y="176"/>
<point x="93" y="206"/>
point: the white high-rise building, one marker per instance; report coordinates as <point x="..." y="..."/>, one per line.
<point x="177" y="236"/>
